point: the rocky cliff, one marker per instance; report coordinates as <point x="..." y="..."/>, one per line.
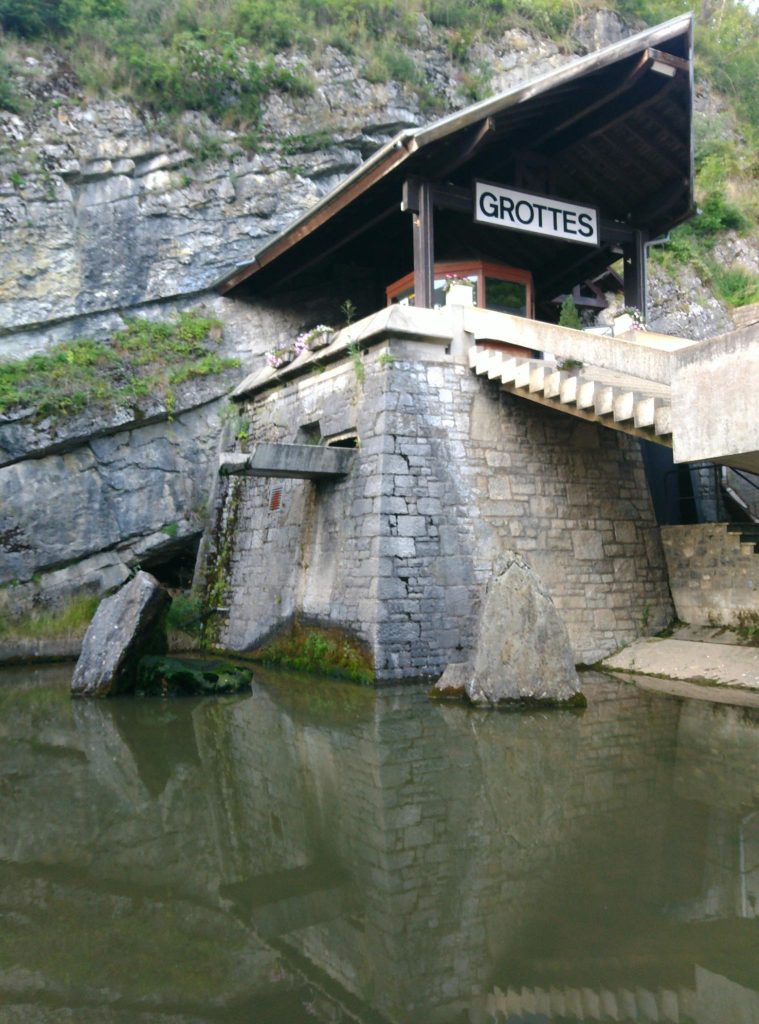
<point x="110" y="212"/>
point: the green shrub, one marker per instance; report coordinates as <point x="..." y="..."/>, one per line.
<point x="735" y="286"/>
<point x="9" y="99"/>
<point x="568" y="315"/>
<point x="186" y="614"/>
<point x="389" y="62"/>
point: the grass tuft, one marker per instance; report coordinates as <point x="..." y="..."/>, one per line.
<point x="320" y="651"/>
<point x="46" y="624"/>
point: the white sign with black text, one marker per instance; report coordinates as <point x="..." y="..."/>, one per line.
<point x="538" y="215"/>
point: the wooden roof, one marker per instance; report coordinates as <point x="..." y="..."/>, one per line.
<point x="612" y="129"/>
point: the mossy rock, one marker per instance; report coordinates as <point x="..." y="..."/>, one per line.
<point x="159" y="676"/>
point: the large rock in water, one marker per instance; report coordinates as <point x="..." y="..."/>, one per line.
<point x="522" y="654"/>
<point x="126" y="626"/>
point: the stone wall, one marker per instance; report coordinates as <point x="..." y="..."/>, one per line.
<point x="84" y="499"/>
<point x="714" y="577"/>
<point x="450" y="474"/>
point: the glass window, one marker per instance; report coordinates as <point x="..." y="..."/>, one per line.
<point x="494" y="286"/>
<point x="506" y="296"/>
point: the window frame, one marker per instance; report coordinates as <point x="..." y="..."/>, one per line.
<point x="468" y="268"/>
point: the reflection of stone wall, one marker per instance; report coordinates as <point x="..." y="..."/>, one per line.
<point x="416" y="854"/>
<point x="450" y="473"/>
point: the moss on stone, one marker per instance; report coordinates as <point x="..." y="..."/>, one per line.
<point x="159" y="676"/>
<point x="319" y="650"/>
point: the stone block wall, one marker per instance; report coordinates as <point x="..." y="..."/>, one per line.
<point x="297" y="546"/>
<point x="714" y="577"/>
<point x="450" y="474"/>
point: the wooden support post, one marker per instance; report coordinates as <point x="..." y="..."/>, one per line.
<point x="635" y="274"/>
<point x="424" y="257"/>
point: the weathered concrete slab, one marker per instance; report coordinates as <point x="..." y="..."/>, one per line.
<point x="726" y="664"/>
<point x="714" y="401"/>
<point x="289" y="461"/>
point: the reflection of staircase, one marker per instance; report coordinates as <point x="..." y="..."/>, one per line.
<point x="631" y="404"/>
<point x="541" y="1006"/>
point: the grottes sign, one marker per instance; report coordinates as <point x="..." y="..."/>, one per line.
<point x="538" y="215"/>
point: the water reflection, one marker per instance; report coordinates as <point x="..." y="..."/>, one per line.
<point x="326" y="852"/>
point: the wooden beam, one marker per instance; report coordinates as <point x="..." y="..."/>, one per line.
<point x="635" y="276"/>
<point x="423" y="243"/>
<point x="309" y="223"/>
<point x="477" y="137"/>
<point x="344" y="239"/>
<point x="444" y="197"/>
<point x="605" y="98"/>
<point x="603" y="127"/>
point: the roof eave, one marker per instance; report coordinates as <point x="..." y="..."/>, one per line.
<point x="410" y="141"/>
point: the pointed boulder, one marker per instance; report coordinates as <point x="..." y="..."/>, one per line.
<point x="126" y="626"/>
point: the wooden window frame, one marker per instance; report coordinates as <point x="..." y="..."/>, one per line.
<point x="467" y="268"/>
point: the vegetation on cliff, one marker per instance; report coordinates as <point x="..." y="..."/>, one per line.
<point x="225" y="58"/>
<point x="147" y="359"/>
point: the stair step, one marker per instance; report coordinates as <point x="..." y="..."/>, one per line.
<point x="648" y="1008"/>
<point x="522" y="374"/>
<point x="644" y="414"/>
<point x="609" y="1005"/>
<point x="494" y="365"/>
<point x="558" y="1002"/>
<point x="744" y="529"/>
<point x="537" y="377"/>
<point x="529" y="1002"/>
<point x="670" y="1006"/>
<point x="508" y="370"/>
<point x="603" y="400"/>
<point x="586" y="393"/>
<point x="553" y="382"/>
<point x="663" y="420"/>
<point x="624" y="406"/>
<point x="628" y="1004"/>
<point x="591" y="1004"/>
<point x="479" y="359"/>
<point x="568" y="392"/>
<point x="574" y="1003"/>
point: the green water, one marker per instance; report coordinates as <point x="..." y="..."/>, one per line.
<point x="323" y="852"/>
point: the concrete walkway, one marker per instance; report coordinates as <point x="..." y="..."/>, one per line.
<point x="705" y="656"/>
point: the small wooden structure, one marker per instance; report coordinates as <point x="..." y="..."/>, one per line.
<point x="610" y="131"/>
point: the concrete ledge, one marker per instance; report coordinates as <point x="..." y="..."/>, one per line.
<point x="408" y="322"/>
<point x="721" y="664"/>
<point x="692" y="691"/>
<point x="289" y="462"/>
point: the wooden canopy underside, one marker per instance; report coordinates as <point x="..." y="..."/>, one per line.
<point x="615" y="134"/>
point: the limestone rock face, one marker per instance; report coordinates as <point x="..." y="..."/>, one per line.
<point x="126" y="626"/>
<point x="522" y="651"/>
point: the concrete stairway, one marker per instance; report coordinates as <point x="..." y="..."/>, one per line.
<point x="541" y="1006"/>
<point x="748" y="532"/>
<point x="633" y="405"/>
